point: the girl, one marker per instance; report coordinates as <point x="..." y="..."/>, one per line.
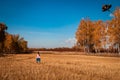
<point x="38" y="58"/>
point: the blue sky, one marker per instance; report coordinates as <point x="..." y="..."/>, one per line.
<point x="50" y="23"/>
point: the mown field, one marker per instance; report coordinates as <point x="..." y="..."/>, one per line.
<point x="59" y="67"/>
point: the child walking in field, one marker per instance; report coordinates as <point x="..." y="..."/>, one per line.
<point x="38" y="59"/>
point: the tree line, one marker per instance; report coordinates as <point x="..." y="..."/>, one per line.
<point x="10" y="43"/>
<point x="99" y="36"/>
<point x="60" y="49"/>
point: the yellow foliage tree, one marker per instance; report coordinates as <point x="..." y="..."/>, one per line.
<point x="114" y="29"/>
<point x="84" y="35"/>
<point x="3" y="27"/>
<point x="8" y="43"/>
<point x="99" y="35"/>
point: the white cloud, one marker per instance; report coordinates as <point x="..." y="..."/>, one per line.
<point x="70" y="42"/>
<point x="82" y="18"/>
<point x="111" y="15"/>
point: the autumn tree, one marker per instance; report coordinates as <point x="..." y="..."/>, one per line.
<point x="91" y="35"/>
<point x="84" y="35"/>
<point x="8" y="43"/>
<point x="14" y="44"/>
<point x="99" y="34"/>
<point x="3" y="27"/>
<point x="22" y="45"/>
<point x="80" y="35"/>
<point x="114" y="30"/>
<point x="19" y="44"/>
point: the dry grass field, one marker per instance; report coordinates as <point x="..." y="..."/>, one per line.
<point x="59" y="67"/>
